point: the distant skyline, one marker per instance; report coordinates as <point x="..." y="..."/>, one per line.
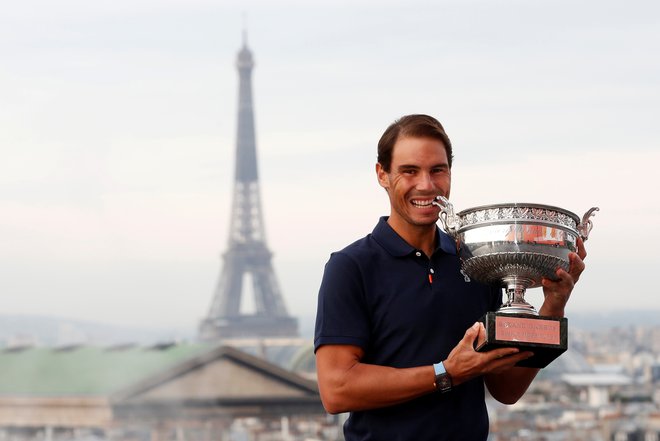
<point x="117" y="133"/>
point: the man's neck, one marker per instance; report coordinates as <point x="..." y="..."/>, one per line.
<point x="421" y="237"/>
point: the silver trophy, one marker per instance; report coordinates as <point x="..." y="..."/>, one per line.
<point x="514" y="246"/>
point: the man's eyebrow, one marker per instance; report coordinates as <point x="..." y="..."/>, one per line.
<point x="408" y="166"/>
<point x="417" y="167"/>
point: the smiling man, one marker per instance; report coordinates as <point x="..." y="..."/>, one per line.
<point x="396" y="320"/>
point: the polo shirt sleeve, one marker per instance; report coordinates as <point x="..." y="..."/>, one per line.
<point x="342" y="313"/>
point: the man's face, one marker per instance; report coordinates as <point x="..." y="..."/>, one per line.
<point x="419" y="172"/>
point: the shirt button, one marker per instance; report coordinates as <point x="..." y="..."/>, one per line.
<point x="418" y="254"/>
<point x="432" y="271"/>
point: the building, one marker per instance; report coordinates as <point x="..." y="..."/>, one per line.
<point x="159" y="393"/>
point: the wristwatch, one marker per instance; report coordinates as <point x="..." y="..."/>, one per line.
<point x="442" y="378"/>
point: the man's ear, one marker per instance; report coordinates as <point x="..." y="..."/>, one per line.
<point x="382" y="176"/>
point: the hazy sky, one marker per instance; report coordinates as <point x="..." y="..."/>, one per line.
<point x="117" y="124"/>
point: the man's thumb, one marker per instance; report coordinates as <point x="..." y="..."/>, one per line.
<point x="471" y="334"/>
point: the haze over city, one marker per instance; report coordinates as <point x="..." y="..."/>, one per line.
<point x="117" y="131"/>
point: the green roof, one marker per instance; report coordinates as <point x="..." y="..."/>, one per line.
<point x="82" y="371"/>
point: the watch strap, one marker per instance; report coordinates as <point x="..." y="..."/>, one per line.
<point x="442" y="379"/>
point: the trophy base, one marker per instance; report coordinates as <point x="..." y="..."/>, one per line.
<point x="546" y="337"/>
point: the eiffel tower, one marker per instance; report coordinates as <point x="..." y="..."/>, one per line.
<point x="248" y="260"/>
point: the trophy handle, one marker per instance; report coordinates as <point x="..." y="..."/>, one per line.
<point x="584" y="228"/>
<point x="449" y="220"/>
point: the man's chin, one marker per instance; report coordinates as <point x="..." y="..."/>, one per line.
<point x="425" y="221"/>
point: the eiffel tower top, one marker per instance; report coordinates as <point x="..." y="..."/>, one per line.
<point x="246" y="149"/>
<point x="244" y="59"/>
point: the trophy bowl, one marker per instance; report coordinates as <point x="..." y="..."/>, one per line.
<point x="514" y="245"/>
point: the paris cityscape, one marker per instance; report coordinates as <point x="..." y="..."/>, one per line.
<point x="244" y="369"/>
<point x="607" y="387"/>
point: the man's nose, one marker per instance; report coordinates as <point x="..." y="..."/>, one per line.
<point x="425" y="182"/>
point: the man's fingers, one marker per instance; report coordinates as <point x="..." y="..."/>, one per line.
<point x="471" y="334"/>
<point x="506" y="363"/>
<point x="481" y="336"/>
<point x="506" y="360"/>
<point x="581" y="250"/>
<point x="576" y="266"/>
<point x="497" y="354"/>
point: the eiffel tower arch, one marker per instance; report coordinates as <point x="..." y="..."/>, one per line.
<point x="247" y="259"/>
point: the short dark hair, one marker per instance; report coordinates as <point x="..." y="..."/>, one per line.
<point x="415" y="126"/>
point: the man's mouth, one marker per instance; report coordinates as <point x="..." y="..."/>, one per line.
<point x="422" y="203"/>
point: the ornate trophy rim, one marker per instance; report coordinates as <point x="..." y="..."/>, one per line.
<point x="517" y="212"/>
<point x="572" y="215"/>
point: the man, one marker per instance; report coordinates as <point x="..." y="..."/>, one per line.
<point x="396" y="320"/>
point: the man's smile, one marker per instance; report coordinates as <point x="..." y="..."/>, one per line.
<point x="422" y="203"/>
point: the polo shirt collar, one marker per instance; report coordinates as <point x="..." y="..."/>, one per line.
<point x="397" y="247"/>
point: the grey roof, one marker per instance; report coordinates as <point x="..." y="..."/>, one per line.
<point x="596" y="379"/>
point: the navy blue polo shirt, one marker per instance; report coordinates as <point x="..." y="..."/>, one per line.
<point x="405" y="310"/>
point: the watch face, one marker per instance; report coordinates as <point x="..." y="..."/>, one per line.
<point x="443" y="382"/>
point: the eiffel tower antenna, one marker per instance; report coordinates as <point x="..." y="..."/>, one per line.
<point x="244" y="29"/>
<point x="248" y="259"/>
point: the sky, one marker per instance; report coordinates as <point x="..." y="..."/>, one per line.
<point x="118" y="121"/>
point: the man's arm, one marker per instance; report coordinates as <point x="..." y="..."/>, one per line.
<point x="507" y="387"/>
<point x="346" y="384"/>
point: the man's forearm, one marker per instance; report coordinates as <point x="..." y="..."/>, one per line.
<point x="509" y="386"/>
<point x="346" y="384"/>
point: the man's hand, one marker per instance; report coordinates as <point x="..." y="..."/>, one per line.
<point x="557" y="292"/>
<point x="465" y="363"/>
